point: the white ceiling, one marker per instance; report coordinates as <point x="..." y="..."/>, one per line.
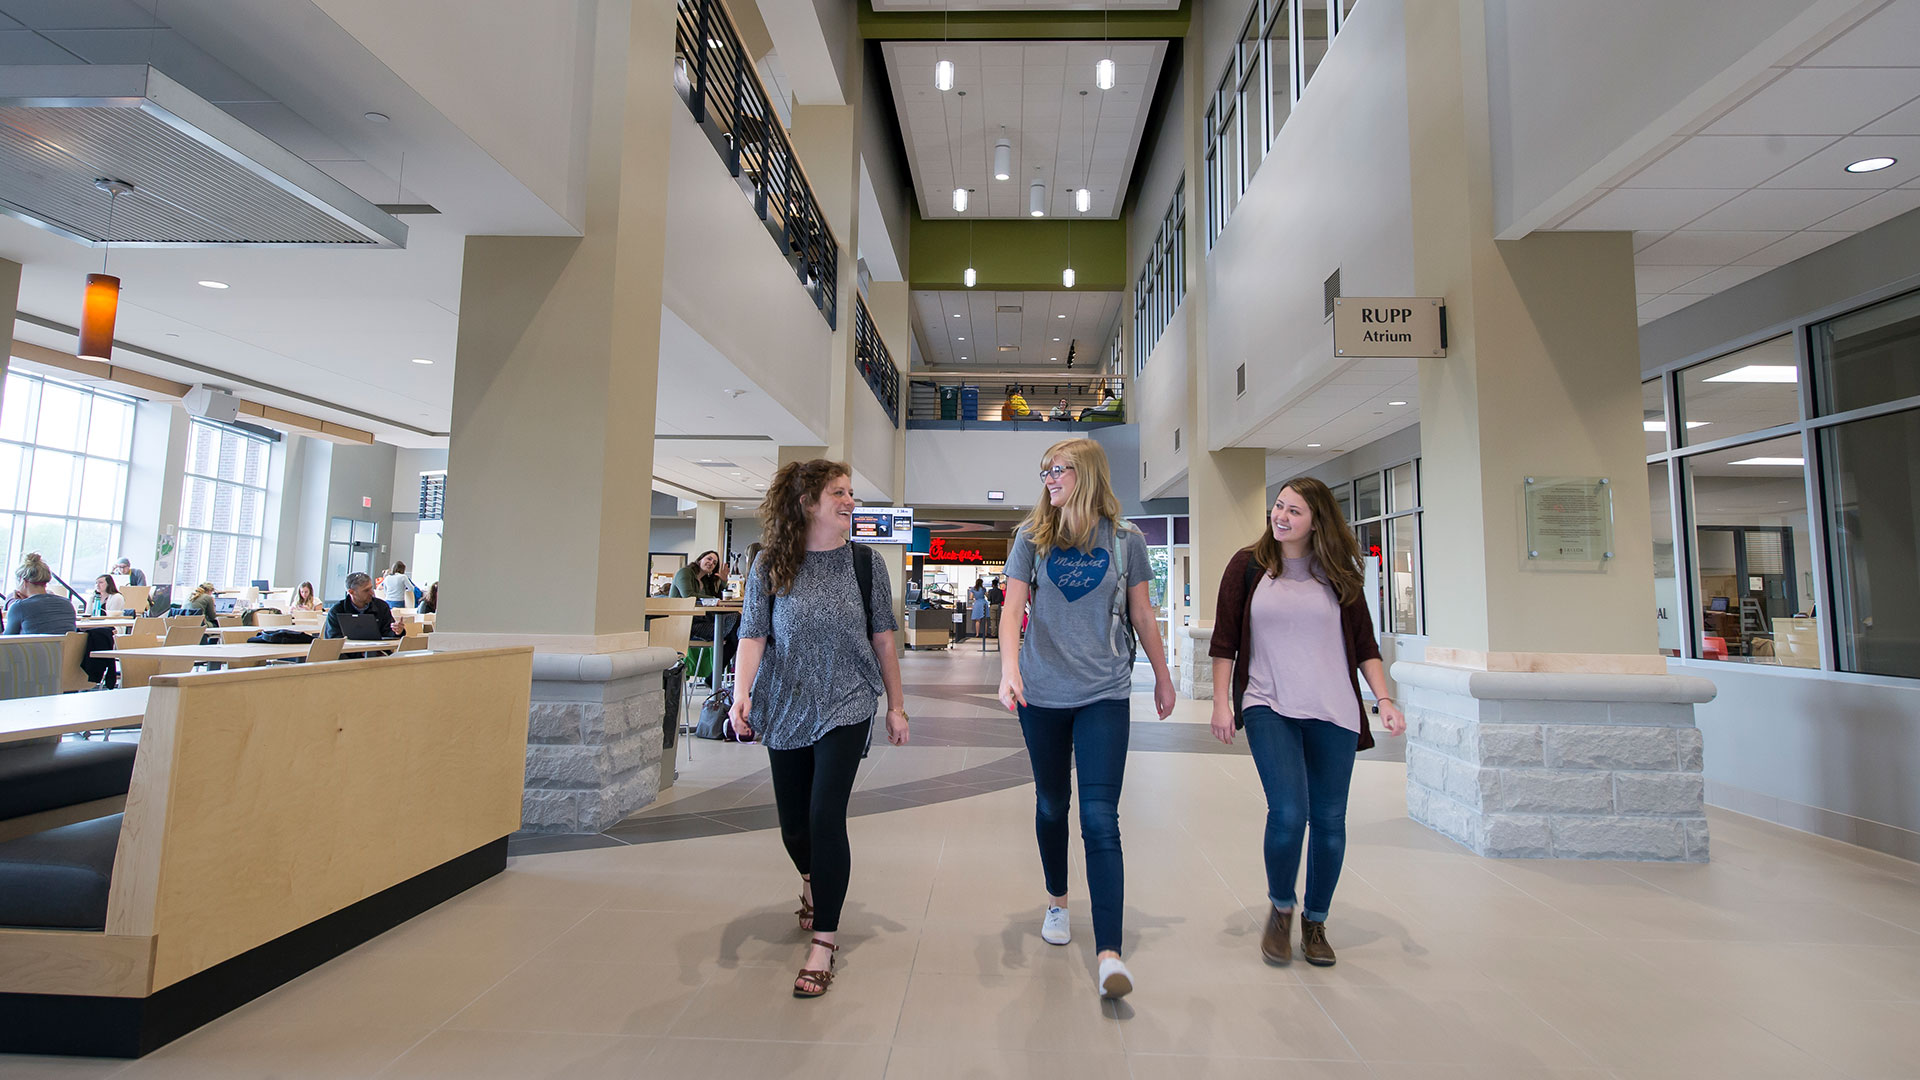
<point x="1082" y="317"/>
<point x="1351" y="409"/>
<point x="1033" y="89"/>
<point x="1026" y="5"/>
<point x="1761" y="180"/>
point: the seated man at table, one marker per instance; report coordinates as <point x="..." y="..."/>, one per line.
<point x="125" y="567"/>
<point x="361" y="601"/>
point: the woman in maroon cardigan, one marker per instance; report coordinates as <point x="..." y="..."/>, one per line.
<point x="1290" y="630"/>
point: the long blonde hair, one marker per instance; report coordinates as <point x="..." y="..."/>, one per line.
<point x="1077" y="524"/>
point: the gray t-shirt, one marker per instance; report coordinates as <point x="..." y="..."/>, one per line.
<point x="42" y="613"/>
<point x="819" y="671"/>
<point x="1074" y="653"/>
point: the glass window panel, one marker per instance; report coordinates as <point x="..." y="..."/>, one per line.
<point x="363" y="532"/>
<point x="1653" y="412"/>
<point x="50" y="483"/>
<point x="1403" y="567"/>
<point x="109" y="428"/>
<point x="62" y="416"/>
<point x="91" y="539"/>
<point x="232" y="455"/>
<point x="339" y="530"/>
<point x="16" y="412"/>
<point x="1873" y="471"/>
<point x="219" y="567"/>
<point x="1315" y="29"/>
<point x="6" y="540"/>
<point x="1749" y="390"/>
<point x="1230" y="164"/>
<point x="255" y="472"/>
<point x="1754" y="563"/>
<point x="191" y="556"/>
<point x="1370" y="536"/>
<point x="1343" y="494"/>
<point x="225" y="496"/>
<point x="245" y="554"/>
<point x="252" y="512"/>
<point x="1666" y="581"/>
<point x="196" y="503"/>
<point x="100" y="481"/>
<point x="48" y="536"/>
<point x="1279" y="65"/>
<point x="11" y="459"/>
<point x="1869" y="356"/>
<point x="1366" y="496"/>
<point x="1346" y="8"/>
<point x="1402" y="493"/>
<point x="1252" y="95"/>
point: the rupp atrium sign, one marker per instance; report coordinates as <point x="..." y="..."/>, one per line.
<point x="1389" y="326"/>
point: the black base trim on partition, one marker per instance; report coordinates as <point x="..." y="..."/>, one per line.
<point x="86" y="1026"/>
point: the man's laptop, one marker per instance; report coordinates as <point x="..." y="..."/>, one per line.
<point x="362" y="628"/>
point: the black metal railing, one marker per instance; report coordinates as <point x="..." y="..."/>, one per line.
<point x="721" y="88"/>
<point x="997" y="397"/>
<point x="870" y="355"/>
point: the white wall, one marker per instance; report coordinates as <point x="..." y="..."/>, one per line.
<point x="956" y="468"/>
<point x="404" y="513"/>
<point x="871" y="445"/>
<point x="158" y="469"/>
<point x="731" y="286"/>
<point x="1579" y="92"/>
<point x="1335" y="192"/>
<point x="1160" y="405"/>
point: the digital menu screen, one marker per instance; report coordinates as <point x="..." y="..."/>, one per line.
<point x="883" y="525"/>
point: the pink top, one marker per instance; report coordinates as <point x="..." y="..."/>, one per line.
<point x="1299" y="662"/>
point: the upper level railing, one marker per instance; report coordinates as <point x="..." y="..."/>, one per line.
<point x="942" y="398"/>
<point x="875" y="362"/>
<point x="721" y="88"/>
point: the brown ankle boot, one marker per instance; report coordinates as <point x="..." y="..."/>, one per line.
<point x="1277" y="943"/>
<point x="1313" y="943"/>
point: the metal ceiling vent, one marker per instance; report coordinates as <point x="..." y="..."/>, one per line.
<point x="199" y="176"/>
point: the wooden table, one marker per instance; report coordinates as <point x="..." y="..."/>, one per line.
<point x="116" y="621"/>
<point x="244" y="654"/>
<point x="655" y="608"/>
<point x="62" y="714"/>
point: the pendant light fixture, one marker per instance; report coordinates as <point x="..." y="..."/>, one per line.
<point x="943" y="69"/>
<point x="960" y="200"/>
<point x="1037" y="196"/>
<point x="1003" y="157"/>
<point x="970" y="277"/>
<point x="1103" y="71"/>
<point x="1083" y="200"/>
<point x="100" y="304"/>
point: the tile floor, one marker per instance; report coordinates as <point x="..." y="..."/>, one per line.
<point x="666" y="950"/>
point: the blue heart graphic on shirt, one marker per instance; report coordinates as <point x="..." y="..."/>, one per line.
<point x="1077" y="573"/>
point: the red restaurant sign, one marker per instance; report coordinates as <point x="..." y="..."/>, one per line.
<point x="938" y="551"/>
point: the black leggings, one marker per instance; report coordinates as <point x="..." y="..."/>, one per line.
<point x="811" y="787"/>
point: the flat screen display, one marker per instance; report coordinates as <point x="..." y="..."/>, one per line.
<point x="883" y="525"/>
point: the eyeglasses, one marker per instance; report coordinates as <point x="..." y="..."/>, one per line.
<point x="1054" y="473"/>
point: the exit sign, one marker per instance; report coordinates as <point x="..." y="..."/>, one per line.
<point x="366" y="501"/>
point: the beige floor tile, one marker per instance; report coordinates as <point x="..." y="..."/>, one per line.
<point x="1233" y="1020"/>
<point x="510" y="935"/>
<point x="594" y="999"/>
<point x="986" y="1063"/>
<point x="758" y="1003"/>
<point x="408" y="991"/>
<point x="739" y="1059"/>
<point x="486" y="1055"/>
<point x="1004" y="946"/>
<point x="1732" y="970"/>
<point x="532" y="883"/>
<point x="1426" y="1071"/>
<point x="1187" y="1067"/>
<point x="1514" y="916"/>
<point x="1462" y="1027"/>
<point x="1641" y="1028"/>
<point x="1860" y="1038"/>
<point x="1525" y="966"/>
<point x="235" y="1048"/>
<point x="35" y="1067"/>
<point x="1006" y="1012"/>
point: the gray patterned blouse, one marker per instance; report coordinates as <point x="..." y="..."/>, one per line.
<point x="818" y="672"/>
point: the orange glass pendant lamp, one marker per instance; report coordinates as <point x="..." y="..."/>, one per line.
<point x="100" y="304"/>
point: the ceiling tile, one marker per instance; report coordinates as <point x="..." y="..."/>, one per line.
<point x="1648" y="208"/>
<point x="20" y="47"/>
<point x="1821" y="101"/>
<point x="1881" y="208"/>
<point x="1904" y="120"/>
<point x="1666" y="305"/>
<point x="1660" y="279"/>
<point x="1783" y="208"/>
<point x="75" y="15"/>
<point x="1720" y="280"/>
<point x="1706" y="248"/>
<point x="1884" y="39"/>
<point x="1788" y="249"/>
<point x="1828" y="168"/>
<point x="1734" y="161"/>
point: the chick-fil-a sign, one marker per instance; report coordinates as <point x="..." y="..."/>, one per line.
<point x="938" y="551"/>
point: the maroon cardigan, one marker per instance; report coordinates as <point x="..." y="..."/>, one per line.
<point x="1233" y="636"/>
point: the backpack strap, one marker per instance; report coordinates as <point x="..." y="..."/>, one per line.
<point x="863" y="574"/>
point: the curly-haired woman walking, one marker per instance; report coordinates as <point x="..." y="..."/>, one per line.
<point x="812" y="660"/>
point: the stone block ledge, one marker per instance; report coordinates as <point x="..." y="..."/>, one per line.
<point x="1554" y="686"/>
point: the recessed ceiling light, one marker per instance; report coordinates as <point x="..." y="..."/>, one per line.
<point x="212" y="284"/>
<point x="1772" y="461"/>
<point x="377" y="117"/>
<point x="1059" y="316"/>
<point x="1056" y="339"/>
<point x="1872" y="164"/>
<point x="963" y="358"/>
<point x="1396" y="403"/>
<point x="1761" y="373"/>
<point x="172" y="334"/>
<point x="959" y="339"/>
<point x="421" y="360"/>
<point x="1313" y="446"/>
<point x="956" y="316"/>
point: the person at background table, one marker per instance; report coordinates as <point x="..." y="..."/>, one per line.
<point x="304" y="600"/>
<point x="34" y="610"/>
<point x="430" y="602"/>
<point x="827" y="657"/>
<point x="398" y="589"/>
<point x="106" y="597"/>
<point x="200" y="602"/>
<point x="701" y="578"/>
<point x="1085" y="569"/>
<point x="1289" y="646"/>
<point x="1061" y="411"/>
<point x="360" y="601"/>
<point x="977" y="606"/>
<point x="125" y="566"/>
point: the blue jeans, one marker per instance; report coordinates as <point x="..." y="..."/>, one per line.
<point x="1092" y="737"/>
<point x="1306" y="767"/>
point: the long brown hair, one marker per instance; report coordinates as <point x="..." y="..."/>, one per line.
<point x="1332" y="542"/>
<point x="795" y="491"/>
<point x="1077" y="524"/>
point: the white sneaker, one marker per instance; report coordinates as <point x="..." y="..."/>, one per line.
<point x="1115" y="980"/>
<point x="1054" y="930"/>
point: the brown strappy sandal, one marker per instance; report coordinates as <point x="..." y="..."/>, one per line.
<point x="821" y="980"/>
<point x="805" y="911"/>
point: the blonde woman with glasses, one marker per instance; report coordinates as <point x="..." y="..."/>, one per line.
<point x="1084" y="569"/>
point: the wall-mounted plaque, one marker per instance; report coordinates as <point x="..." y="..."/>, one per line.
<point x="1569" y="519"/>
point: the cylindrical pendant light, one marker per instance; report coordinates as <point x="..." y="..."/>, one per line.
<point x="1066" y="277"/>
<point x="1103" y="74"/>
<point x="100" y="303"/>
<point x="1037" y="199"/>
<point x="1083" y="200"/>
<point x="969" y="277"/>
<point x="943" y="75"/>
<point x="959" y="200"/>
<point x="1003" y="159"/>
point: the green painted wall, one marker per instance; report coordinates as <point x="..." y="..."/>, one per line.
<point x="1012" y="254"/>
<point x="1023" y="25"/>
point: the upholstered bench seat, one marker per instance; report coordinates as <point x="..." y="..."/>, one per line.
<point x="37" y="777"/>
<point x="57" y="879"/>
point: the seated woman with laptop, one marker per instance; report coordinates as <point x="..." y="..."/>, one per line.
<point x="360" y="615"/>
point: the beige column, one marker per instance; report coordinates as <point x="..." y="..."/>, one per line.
<point x="827" y="140"/>
<point x="709" y="527"/>
<point x="1226" y="488"/>
<point x="1542" y="379"/>
<point x="790" y="454"/>
<point x="10" y="309"/>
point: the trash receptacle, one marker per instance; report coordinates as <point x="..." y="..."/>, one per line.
<point x="949" y="403"/>
<point x="969" y="403"/>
